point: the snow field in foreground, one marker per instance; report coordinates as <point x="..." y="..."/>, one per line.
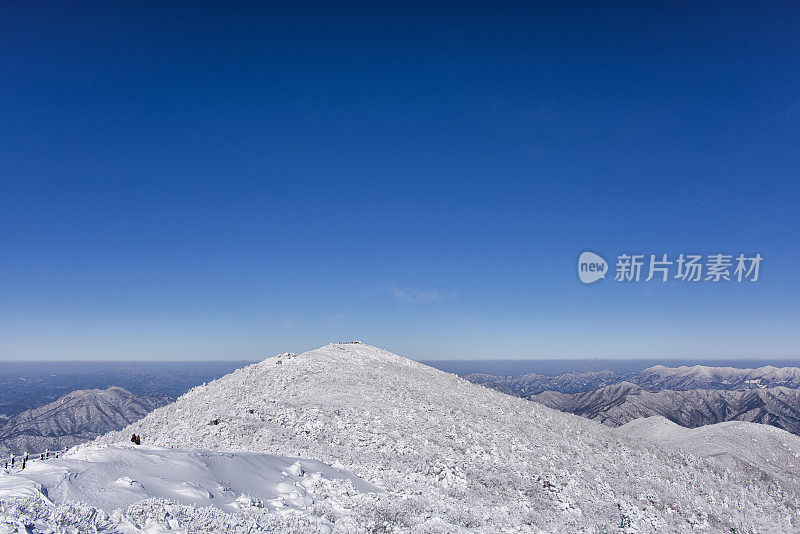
<point x="118" y="476"/>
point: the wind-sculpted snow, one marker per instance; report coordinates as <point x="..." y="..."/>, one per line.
<point x="151" y="516"/>
<point x="449" y="456"/>
<point x="122" y="475"/>
<point x="77" y="417"/>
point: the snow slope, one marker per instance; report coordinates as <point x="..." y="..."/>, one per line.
<point x="768" y="452"/>
<point x="119" y="476"/>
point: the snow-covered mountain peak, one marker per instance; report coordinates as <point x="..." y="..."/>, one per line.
<point x="347" y="351"/>
<point x="353" y="360"/>
<point x="337" y="351"/>
<point x="111" y="392"/>
<point x="451" y="455"/>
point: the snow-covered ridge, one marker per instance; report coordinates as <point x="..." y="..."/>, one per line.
<point x="453" y="456"/>
<point x="704" y="377"/>
<point x="623" y="402"/>
<point x="653" y="378"/>
<point x="768" y="452"/>
<point x="77" y="417"/>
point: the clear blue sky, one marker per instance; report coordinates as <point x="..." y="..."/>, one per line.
<point x="188" y="181"/>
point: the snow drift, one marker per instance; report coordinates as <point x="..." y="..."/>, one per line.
<point x="119" y="476"/>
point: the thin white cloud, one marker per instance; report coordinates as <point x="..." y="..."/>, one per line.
<point x="419" y="295"/>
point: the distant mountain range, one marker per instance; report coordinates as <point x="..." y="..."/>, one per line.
<point x="532" y="383"/>
<point x="653" y="379"/>
<point x="77" y="417"/>
<point x="689" y="396"/>
<point x="28" y="385"/>
<point x="621" y="403"/>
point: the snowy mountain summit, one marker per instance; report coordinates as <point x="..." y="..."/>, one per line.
<point x="443" y="455"/>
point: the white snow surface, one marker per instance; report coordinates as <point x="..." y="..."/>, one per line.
<point x="121" y="475"/>
<point x="767" y="452"/>
<point x="450" y="456"/>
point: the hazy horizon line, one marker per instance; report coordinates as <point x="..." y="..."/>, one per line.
<point x="554" y="359"/>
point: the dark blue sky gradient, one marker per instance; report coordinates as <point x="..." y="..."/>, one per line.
<point x="195" y="181"/>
